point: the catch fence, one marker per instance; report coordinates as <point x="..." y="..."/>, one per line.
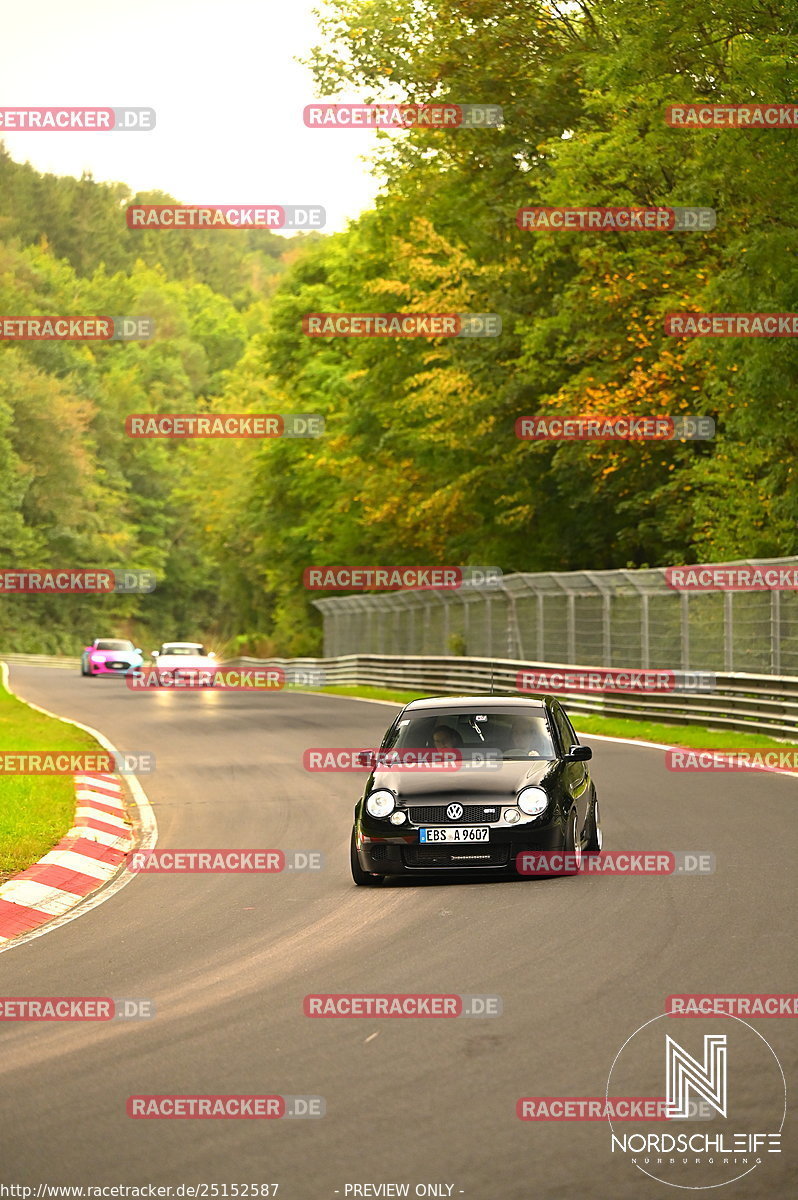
<point x="621" y="618"/>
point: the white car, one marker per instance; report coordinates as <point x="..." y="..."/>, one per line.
<point x="185" y="660"/>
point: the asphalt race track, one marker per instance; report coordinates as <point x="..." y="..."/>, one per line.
<point x="579" y="962"/>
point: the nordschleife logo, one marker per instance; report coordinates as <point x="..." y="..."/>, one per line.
<point x="725" y="1102"/>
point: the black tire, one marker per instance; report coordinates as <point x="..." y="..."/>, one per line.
<point x="594" y="838"/>
<point x="362" y="878"/>
<point x="572" y="846"/>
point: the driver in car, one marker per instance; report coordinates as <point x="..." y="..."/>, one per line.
<point x="446" y="738"/>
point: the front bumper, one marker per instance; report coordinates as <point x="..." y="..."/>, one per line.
<point x="402" y="853"/>
<point x="117" y="667"/>
<point x="191" y="677"/>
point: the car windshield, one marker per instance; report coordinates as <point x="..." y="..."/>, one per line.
<point x="110" y="644"/>
<point x="515" y="732"/>
<point x="167" y="649"/>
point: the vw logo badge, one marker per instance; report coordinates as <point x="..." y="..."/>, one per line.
<point x="454" y="812"/>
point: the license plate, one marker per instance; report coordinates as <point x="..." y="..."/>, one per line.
<point x="116" y="666"/>
<point x="457" y="833"/>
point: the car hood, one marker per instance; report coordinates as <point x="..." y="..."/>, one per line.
<point x="172" y="662"/>
<point x="418" y="783"/>
<point x="116" y="655"/>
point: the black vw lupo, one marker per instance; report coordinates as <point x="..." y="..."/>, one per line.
<point x="507" y="775"/>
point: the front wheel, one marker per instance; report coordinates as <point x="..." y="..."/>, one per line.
<point x="573" y="847"/>
<point x="595" y="839"/>
<point x="362" y="878"/>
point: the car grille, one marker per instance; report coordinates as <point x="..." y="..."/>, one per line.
<point x="435" y="814"/>
<point x="378" y="852"/>
<point x="117" y="666"/>
<point x="478" y="855"/>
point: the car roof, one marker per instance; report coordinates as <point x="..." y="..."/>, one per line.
<point x="192" y="645"/>
<point x="486" y="702"/>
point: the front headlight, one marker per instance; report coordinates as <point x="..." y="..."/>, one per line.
<point x="380" y="803"/>
<point x="532" y="801"/>
<point x="98" y="658"/>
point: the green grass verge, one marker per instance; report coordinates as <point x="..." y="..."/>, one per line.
<point x="35" y="810"/>
<point x="369" y="693"/>
<point x="700" y="736"/>
<point x="640" y="730"/>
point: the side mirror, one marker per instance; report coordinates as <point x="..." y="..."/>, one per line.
<point x="211" y="654"/>
<point x="155" y="653"/>
<point x="579" y="754"/>
<point x="137" y="650"/>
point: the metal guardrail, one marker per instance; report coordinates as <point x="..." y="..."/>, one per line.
<point x="44" y="660"/>
<point x="750" y="703"/>
<point x="746" y="703"/>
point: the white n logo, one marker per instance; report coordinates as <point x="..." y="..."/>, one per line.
<point x="685" y="1073"/>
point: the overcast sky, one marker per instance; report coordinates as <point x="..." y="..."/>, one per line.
<point x="227" y="93"/>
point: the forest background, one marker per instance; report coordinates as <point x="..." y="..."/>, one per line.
<point x="420" y="463"/>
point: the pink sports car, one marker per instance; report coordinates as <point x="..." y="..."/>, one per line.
<point x="111" y="656"/>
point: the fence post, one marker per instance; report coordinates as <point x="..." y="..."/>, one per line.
<point x="515" y="647"/>
<point x="775" y="632"/>
<point x="541" y="647"/>
<point x="645" y="643"/>
<point x="571" y="610"/>
<point x="728" y="631"/>
<point x="685" y="621"/>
